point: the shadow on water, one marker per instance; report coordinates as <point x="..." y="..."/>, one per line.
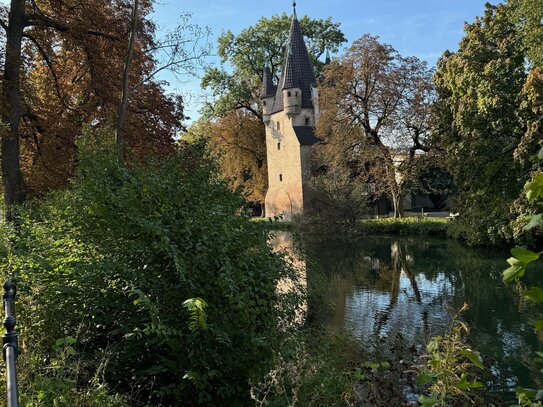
<point x="385" y="288"/>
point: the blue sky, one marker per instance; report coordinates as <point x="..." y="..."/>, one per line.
<point x="424" y="28"/>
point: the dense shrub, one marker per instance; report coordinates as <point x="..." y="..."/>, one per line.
<point x="111" y="261"/>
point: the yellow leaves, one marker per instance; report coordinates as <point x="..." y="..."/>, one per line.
<point x="534" y="88"/>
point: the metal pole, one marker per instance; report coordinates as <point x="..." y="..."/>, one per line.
<point x="10" y="343"/>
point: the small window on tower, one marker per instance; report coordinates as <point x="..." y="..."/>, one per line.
<point x="280" y="177"/>
<point x="278" y="126"/>
<point x="296" y="94"/>
<point x="307" y="121"/>
<point x="289" y="94"/>
<point x="264" y="103"/>
<point x="279" y="146"/>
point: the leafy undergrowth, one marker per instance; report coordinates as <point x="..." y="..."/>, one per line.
<point x="110" y="264"/>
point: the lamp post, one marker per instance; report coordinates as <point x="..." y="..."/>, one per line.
<point x="10" y="343"/>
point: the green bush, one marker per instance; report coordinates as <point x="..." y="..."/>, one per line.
<point x="519" y="264"/>
<point x="450" y="368"/>
<point x="113" y="260"/>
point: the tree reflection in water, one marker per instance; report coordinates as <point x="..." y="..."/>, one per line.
<point x="393" y="294"/>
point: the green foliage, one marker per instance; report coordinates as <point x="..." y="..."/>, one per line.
<point x="59" y="381"/>
<point x="405" y="226"/>
<point x="521" y="259"/>
<point x="529" y="15"/>
<point x="449" y="367"/>
<point x="529" y="398"/>
<point x="112" y="260"/>
<point x="338" y="201"/>
<point x="253" y="48"/>
<point x="310" y="371"/>
<point x="481" y="119"/>
<point x="432" y="179"/>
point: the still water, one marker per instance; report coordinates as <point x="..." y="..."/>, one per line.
<point x="384" y="288"/>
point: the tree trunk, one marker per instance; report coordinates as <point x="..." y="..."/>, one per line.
<point x="397" y="202"/>
<point x="121" y="114"/>
<point x="14" y="190"/>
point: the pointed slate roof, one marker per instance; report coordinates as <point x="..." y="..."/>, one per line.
<point x="268" y="88"/>
<point x="306" y="135"/>
<point x="298" y="71"/>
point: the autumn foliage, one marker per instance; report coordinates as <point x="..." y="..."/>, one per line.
<point x="71" y="78"/>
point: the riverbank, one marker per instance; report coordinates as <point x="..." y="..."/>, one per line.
<point x="420" y="226"/>
<point x="404" y="226"/>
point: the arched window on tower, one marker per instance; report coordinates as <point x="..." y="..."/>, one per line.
<point x="307" y="121"/>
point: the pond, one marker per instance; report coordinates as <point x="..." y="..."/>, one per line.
<point x="388" y="289"/>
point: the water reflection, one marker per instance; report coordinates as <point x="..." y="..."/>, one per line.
<point x="385" y="288"/>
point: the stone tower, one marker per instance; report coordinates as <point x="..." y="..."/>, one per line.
<point x="290" y="110"/>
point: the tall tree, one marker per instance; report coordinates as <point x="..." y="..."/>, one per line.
<point x="14" y="190"/>
<point x="238" y="140"/>
<point x="74" y="54"/>
<point x="481" y="122"/>
<point x="254" y="48"/>
<point x="375" y="115"/>
<point x="121" y="115"/>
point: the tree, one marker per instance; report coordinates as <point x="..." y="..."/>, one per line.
<point x="481" y="121"/>
<point x="375" y="115"/>
<point x="253" y="48"/>
<point x="338" y="201"/>
<point x="71" y="76"/>
<point x="528" y="16"/>
<point x="14" y="190"/>
<point x="431" y="178"/>
<point x="238" y="140"/>
<point x="121" y="115"/>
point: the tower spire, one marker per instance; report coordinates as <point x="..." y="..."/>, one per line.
<point x="294" y="8"/>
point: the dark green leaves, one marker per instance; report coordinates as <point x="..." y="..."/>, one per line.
<point x="535" y="220"/>
<point x="196" y="307"/>
<point x="466" y="384"/>
<point x="474" y="357"/>
<point x="428" y="401"/>
<point x="534" y="188"/>
<point x="522" y="257"/>
<point x="535" y="294"/>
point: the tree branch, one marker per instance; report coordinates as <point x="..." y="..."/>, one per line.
<point x="41" y="19"/>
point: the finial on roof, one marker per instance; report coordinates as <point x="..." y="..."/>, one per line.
<point x="294" y="7"/>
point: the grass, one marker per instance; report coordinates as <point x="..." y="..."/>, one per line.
<point x="391" y="226"/>
<point x="405" y="226"/>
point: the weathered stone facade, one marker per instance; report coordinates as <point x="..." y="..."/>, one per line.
<point x="289" y="116"/>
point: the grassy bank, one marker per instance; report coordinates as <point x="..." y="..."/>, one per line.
<point x="401" y="226"/>
<point x="405" y="226"/>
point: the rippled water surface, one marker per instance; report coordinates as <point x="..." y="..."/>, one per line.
<point x="383" y="288"/>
